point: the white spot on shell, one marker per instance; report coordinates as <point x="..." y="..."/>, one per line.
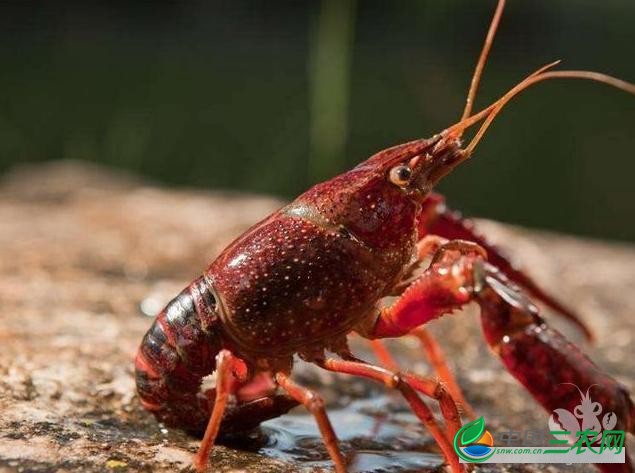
<point x="237" y="260"/>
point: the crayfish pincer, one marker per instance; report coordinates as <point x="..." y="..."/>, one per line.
<point x="307" y="276"/>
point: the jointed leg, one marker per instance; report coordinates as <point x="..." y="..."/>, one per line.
<point x="435" y="389"/>
<point x="430" y="387"/>
<point x="224" y="364"/>
<point x="403" y="383"/>
<point x="383" y="355"/>
<point x="440" y="365"/>
<point x="314" y="404"/>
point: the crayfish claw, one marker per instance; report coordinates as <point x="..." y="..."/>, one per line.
<point x="488" y="275"/>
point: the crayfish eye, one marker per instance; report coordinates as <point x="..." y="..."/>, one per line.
<point x="400" y="175"/>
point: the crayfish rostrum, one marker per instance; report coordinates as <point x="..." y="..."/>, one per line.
<point x="306" y="277"/>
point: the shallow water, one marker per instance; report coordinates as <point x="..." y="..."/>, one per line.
<point x="377" y="435"/>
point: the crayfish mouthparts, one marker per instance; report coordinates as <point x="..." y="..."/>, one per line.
<point x="446" y="153"/>
<point x="444" y="156"/>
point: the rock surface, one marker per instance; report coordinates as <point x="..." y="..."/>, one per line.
<point x="87" y="255"/>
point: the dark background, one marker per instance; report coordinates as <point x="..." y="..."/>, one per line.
<point x="275" y="96"/>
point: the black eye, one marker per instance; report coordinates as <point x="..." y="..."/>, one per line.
<point x="400" y="175"/>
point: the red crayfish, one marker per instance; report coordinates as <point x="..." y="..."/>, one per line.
<point x="306" y="277"/>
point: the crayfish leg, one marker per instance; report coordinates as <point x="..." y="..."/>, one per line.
<point x="436" y="357"/>
<point x="406" y="385"/>
<point x="315" y="405"/>
<point x="438" y="219"/>
<point x="439" y="363"/>
<point x="225" y="362"/>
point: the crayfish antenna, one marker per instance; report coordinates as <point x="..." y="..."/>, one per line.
<point x="480" y="65"/>
<point x="489" y="113"/>
<point x="456" y="130"/>
<point x="497" y="106"/>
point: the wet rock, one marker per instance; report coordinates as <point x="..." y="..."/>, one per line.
<point x="87" y="255"/>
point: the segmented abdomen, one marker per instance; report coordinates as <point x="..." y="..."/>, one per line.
<point x="175" y="355"/>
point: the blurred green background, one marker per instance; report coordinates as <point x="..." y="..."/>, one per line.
<point x="275" y="96"/>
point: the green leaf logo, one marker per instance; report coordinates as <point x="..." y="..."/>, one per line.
<point x="472" y="431"/>
<point x="468" y="434"/>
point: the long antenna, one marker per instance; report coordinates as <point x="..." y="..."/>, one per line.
<point x="480" y="65"/>
<point x="458" y="128"/>
<point x="500" y="104"/>
<point x="491" y="112"/>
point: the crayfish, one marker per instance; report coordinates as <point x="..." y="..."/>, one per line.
<point x="306" y="277"/>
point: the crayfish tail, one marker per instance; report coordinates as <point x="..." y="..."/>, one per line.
<point x="175" y="355"/>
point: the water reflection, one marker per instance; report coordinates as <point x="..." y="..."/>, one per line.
<point x="377" y="435"/>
